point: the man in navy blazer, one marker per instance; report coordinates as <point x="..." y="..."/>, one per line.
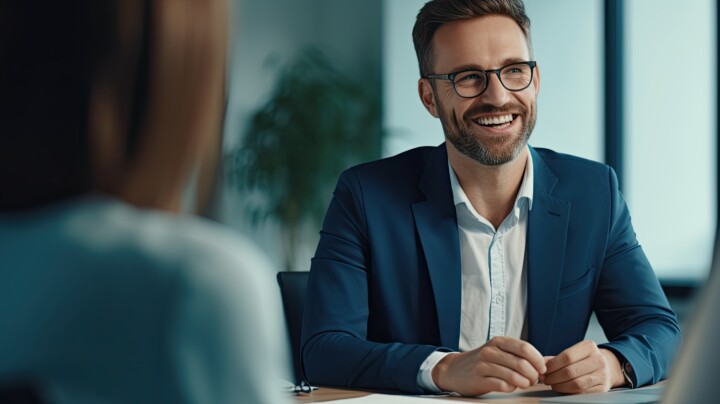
<point x="475" y="266"/>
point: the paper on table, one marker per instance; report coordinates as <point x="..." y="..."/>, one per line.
<point x="645" y="395"/>
<point x="389" y="399"/>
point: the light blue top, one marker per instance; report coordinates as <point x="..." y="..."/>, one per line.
<point x="103" y="302"/>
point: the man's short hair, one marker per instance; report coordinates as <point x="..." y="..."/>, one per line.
<point x="435" y="13"/>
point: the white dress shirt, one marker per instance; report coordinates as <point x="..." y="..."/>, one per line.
<point x="493" y="265"/>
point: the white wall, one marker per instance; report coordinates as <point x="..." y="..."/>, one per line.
<point x="347" y="31"/>
<point x="406" y="122"/>
<point x="568" y="42"/>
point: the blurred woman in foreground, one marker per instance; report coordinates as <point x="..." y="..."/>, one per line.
<point x="107" y="292"/>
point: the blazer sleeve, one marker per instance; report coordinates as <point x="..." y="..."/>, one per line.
<point x="630" y="304"/>
<point x="335" y="348"/>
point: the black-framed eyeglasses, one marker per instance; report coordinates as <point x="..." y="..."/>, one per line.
<point x="470" y="83"/>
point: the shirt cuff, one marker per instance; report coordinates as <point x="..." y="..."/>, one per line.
<point x="424" y="376"/>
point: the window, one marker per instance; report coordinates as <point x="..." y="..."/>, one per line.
<point x="670" y="127"/>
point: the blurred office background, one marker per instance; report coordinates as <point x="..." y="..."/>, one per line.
<point x="632" y="83"/>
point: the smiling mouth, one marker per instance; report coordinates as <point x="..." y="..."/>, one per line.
<point x="496" y="122"/>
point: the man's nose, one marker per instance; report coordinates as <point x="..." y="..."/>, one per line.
<point x="495" y="93"/>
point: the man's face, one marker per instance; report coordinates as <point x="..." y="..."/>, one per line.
<point x="489" y="42"/>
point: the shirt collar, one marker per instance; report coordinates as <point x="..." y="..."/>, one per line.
<point x="525" y="192"/>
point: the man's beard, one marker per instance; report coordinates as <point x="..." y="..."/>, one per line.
<point x="488" y="150"/>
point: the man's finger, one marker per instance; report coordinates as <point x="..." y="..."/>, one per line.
<point x="574" y="354"/>
<point x="581" y="384"/>
<point x="514" y="362"/>
<point x="508" y="375"/>
<point x="572" y="371"/>
<point x="522" y="349"/>
<point x="500" y="385"/>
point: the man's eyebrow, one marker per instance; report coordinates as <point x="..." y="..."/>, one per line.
<point x="510" y="61"/>
<point x="472" y="66"/>
<point x="466" y="67"/>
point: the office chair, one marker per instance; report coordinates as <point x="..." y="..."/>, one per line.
<point x="293" y="286"/>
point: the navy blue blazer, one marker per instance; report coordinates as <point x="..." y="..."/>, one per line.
<point x="385" y="283"/>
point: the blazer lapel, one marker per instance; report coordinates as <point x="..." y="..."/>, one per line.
<point x="436" y="225"/>
<point x="546" y="240"/>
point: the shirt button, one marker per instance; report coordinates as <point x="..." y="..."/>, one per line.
<point x="499" y="299"/>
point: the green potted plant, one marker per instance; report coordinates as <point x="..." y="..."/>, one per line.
<point x="317" y="122"/>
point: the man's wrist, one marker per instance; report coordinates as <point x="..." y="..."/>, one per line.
<point x="617" y="377"/>
<point x="425" y="374"/>
<point x="439" y="370"/>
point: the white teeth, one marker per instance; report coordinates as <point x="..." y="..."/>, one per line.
<point x="495" y="120"/>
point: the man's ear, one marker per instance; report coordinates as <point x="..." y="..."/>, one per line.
<point x="427" y="96"/>
<point x="536" y="80"/>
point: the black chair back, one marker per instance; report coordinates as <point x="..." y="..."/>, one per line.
<point x="293" y="286"/>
